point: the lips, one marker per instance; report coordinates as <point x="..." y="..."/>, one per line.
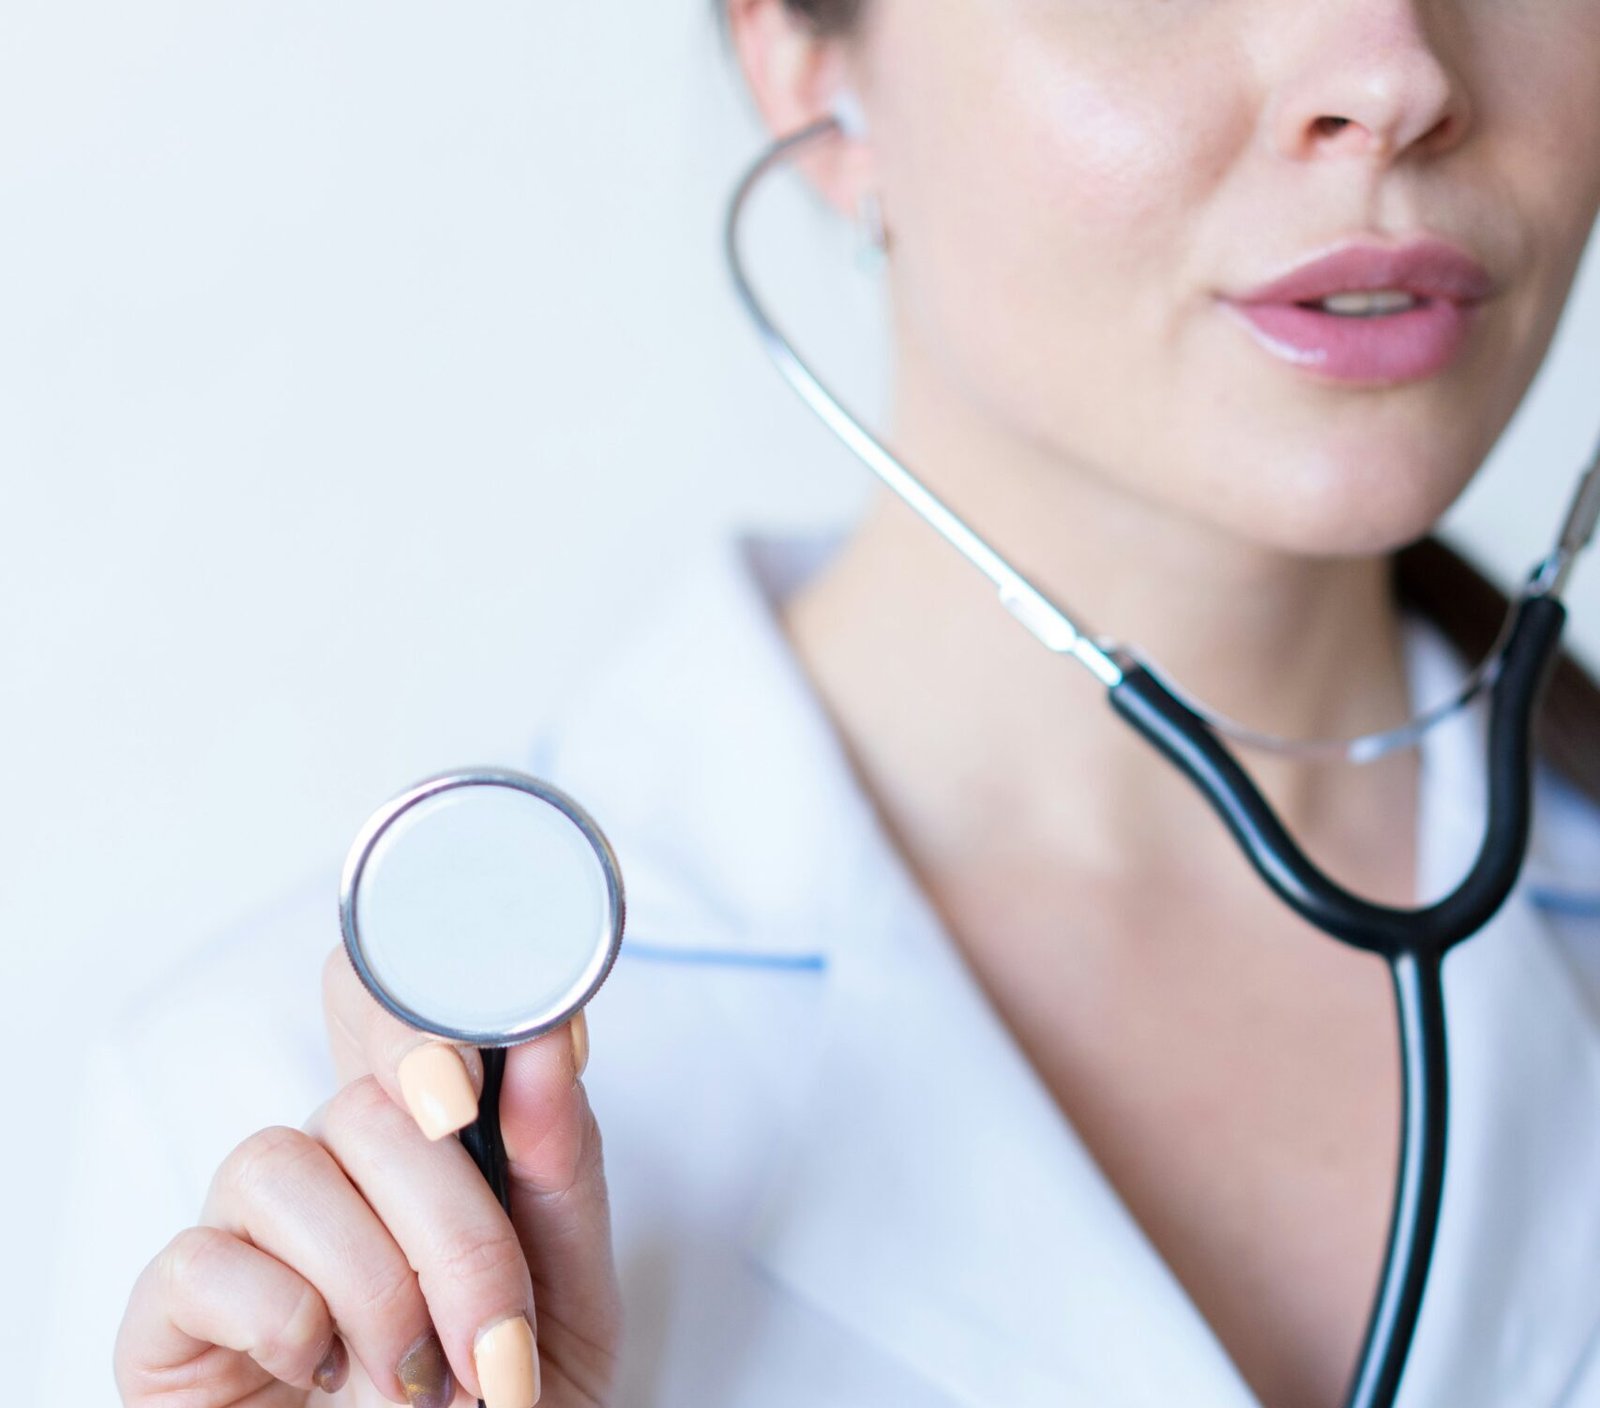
<point x="1429" y="268"/>
<point x="1381" y="348"/>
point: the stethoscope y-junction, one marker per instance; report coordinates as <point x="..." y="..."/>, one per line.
<point x="1196" y="739"/>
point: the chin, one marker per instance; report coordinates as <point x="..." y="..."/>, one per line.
<point x="1363" y="501"/>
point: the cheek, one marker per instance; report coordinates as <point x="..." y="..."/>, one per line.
<point x="1051" y="216"/>
<point x="1542" y="106"/>
<point x="1102" y="158"/>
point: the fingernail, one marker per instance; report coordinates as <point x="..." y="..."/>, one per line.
<point x="580" y="1041"/>
<point x="329" y="1375"/>
<point x="508" y="1365"/>
<point x="437" y="1088"/>
<point x="425" y="1374"/>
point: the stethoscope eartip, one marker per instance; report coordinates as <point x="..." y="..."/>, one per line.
<point x="848" y="113"/>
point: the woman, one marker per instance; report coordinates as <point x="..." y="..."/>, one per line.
<point x="963" y="1061"/>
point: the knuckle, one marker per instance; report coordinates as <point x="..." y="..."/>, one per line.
<point x="187" y="1260"/>
<point x="360" y="1108"/>
<point x="267" y="1159"/>
<point x="486" y="1257"/>
<point x="590" y="1170"/>
<point x="386" y="1293"/>
<point x="573" y="1218"/>
<point x="583" y="1168"/>
<point x="566" y="1156"/>
<point x="291" y="1344"/>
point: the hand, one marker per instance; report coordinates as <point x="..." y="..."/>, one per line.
<point x="365" y="1258"/>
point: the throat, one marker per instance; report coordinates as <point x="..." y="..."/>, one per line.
<point x="1234" y="1074"/>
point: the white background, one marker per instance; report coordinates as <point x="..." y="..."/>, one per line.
<point x="361" y="368"/>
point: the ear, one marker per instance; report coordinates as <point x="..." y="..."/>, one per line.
<point x="795" y="76"/>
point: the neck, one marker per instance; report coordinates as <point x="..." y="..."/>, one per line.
<point x="968" y="730"/>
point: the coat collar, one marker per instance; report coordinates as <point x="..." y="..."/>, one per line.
<point x="713" y="768"/>
<point x="931" y="1196"/>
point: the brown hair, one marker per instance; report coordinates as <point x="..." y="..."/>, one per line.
<point x="1430" y="578"/>
<point x="826" y="17"/>
<point x="1443" y="587"/>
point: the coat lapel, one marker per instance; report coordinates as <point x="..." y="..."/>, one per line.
<point x="936" y="1201"/>
<point x="933" y="1198"/>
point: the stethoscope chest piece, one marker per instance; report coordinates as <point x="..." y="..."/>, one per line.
<point x="483" y="906"/>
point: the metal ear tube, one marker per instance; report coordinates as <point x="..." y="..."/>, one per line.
<point x="1195" y="739"/>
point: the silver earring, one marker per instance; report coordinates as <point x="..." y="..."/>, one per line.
<point x="873" y="239"/>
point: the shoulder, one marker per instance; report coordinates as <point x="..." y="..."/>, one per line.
<point x="714" y="769"/>
<point x="212" y="1048"/>
<point x="230" y="1039"/>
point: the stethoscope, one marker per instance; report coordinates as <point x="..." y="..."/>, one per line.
<point x="485" y="906"/>
<point x="1413" y="941"/>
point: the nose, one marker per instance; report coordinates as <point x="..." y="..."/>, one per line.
<point x="1366" y="79"/>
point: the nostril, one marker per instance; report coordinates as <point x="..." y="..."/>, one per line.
<point x="1329" y="125"/>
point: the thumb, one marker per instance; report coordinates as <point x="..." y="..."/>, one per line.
<point x="560" y="1207"/>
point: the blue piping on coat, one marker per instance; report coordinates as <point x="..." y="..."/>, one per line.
<point x="730" y="958"/>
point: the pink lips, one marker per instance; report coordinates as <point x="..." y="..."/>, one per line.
<point x="1384" y="348"/>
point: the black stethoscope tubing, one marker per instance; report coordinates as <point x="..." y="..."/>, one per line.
<point x="1412" y="941"/>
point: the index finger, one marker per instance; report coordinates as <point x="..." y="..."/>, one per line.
<point x="437" y="1081"/>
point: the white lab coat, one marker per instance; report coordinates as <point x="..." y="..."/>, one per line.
<point x="834" y="1177"/>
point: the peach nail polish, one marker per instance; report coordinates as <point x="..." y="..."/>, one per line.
<point x="580" y="1041"/>
<point x="507" y="1360"/>
<point x="437" y="1089"/>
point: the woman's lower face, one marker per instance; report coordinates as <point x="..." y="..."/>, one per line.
<point x="1079" y="191"/>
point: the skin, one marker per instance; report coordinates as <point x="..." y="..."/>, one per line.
<point x="1066" y="185"/>
<point x="357" y="1234"/>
